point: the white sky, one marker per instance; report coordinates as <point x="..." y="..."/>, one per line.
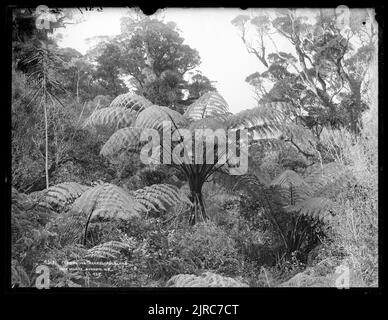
<point x="223" y="54"/>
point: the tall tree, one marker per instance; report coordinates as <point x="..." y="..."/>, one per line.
<point x="108" y="69"/>
<point x="323" y="74"/>
<point x="152" y="55"/>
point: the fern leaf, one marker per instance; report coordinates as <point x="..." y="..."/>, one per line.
<point x="290" y="188"/>
<point x="206" y="279"/>
<point x="125" y="138"/>
<point x="156" y="196"/>
<point x="211" y="104"/>
<point x="318" y="208"/>
<point x="250" y="180"/>
<point x="63" y="194"/>
<point x="115" y="117"/>
<point x="147" y="205"/>
<point x="108" y="250"/>
<point x="207" y="123"/>
<point x="289" y="178"/>
<point x="154" y="116"/>
<point x="265" y="119"/>
<point x="130" y="101"/>
<point x="107" y="201"/>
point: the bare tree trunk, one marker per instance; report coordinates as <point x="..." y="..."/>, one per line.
<point x="46" y="135"/>
<point x="77" y="86"/>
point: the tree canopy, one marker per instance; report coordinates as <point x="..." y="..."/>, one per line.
<point x="323" y="75"/>
<point x="152" y="55"/>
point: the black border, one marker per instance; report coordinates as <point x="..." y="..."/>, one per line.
<point x="171" y="296"/>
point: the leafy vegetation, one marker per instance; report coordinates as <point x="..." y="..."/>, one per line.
<point x="86" y="206"/>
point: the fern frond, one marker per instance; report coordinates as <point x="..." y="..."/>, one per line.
<point x="63" y="194"/>
<point x="114" y="117"/>
<point x="290" y="188"/>
<point x="318" y="208"/>
<point x="206" y="279"/>
<point x="125" y="138"/>
<point x="130" y="101"/>
<point x="264" y="131"/>
<point x="108" y="250"/>
<point x="207" y="123"/>
<point x="153" y="117"/>
<point x="211" y="104"/>
<point x="265" y="119"/>
<point x="250" y="180"/>
<point x="157" y="196"/>
<point x="107" y="201"/>
<point x="147" y="205"/>
<point x="289" y="178"/>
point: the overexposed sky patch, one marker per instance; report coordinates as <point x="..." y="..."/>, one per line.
<point x="224" y="57"/>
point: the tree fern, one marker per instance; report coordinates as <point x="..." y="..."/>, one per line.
<point x="294" y="194"/>
<point x="290" y="194"/>
<point x="210" y="111"/>
<point x="107" y="201"/>
<point x="290" y="188"/>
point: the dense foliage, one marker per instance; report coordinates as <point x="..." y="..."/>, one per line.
<point x="82" y="199"/>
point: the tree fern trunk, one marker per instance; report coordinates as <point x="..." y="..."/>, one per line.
<point x="198" y="211"/>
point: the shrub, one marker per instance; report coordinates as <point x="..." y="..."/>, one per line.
<point x="356" y="228"/>
<point x="29" y="236"/>
<point x="207" y="246"/>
